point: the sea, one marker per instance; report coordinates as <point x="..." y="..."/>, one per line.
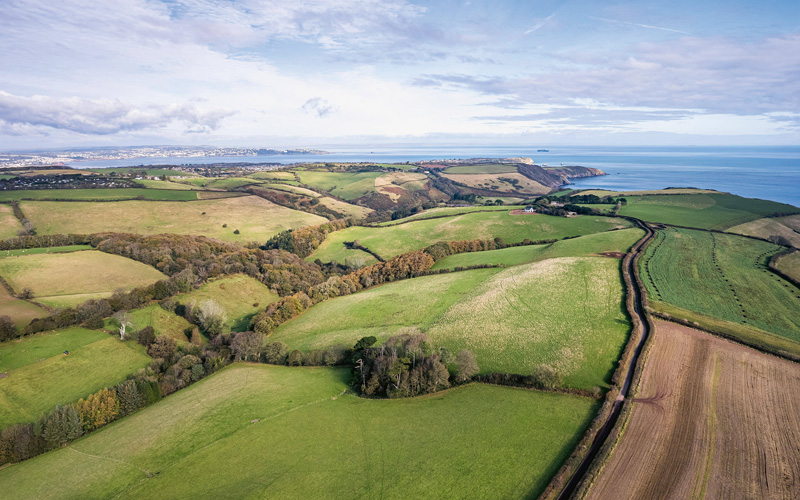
<point x="771" y="173"/>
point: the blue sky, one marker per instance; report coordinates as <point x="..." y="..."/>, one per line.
<point x="328" y="72"/>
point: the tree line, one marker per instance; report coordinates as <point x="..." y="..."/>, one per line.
<point x="304" y="241"/>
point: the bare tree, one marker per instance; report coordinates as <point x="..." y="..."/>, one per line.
<point x="124" y="322"/>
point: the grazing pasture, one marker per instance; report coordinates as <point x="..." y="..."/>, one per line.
<point x="9" y="224"/>
<point x="20" y="311"/>
<point x="499" y="182"/>
<point x="162" y="321"/>
<point x="346" y="209"/>
<point x="393" y="240"/>
<point x="707" y="211"/>
<point x="722" y="276"/>
<point x="280" y="175"/>
<point x="347" y="185"/>
<point x="592" y="244"/>
<point x="34" y="251"/>
<point x="279" y="432"/>
<point x="790" y="265"/>
<point x="67" y="279"/>
<point x="151" y="184"/>
<point x="565" y="312"/>
<point x="712" y="419"/>
<point x="446" y="211"/>
<point x="394" y="183"/>
<point x="482" y="169"/>
<point x="602" y="192"/>
<point x="99" y="194"/>
<point x="40" y="376"/>
<point x="256" y="218"/>
<point x="241" y="296"/>
<point x="785" y="227"/>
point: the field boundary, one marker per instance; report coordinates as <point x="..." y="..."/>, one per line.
<point x="773" y="265"/>
<point x="590" y="453"/>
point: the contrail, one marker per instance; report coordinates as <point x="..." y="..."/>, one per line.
<point x="639" y="25"/>
<point x="540" y="24"/>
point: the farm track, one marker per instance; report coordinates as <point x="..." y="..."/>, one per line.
<point x="716" y="420"/>
<point x="638" y="311"/>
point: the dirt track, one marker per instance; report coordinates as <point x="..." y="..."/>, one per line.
<point x="714" y="420"/>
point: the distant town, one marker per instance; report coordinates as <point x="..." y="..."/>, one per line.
<point x="55" y="157"/>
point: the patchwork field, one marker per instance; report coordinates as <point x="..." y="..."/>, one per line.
<point x="99" y="194"/>
<point x="9" y="224"/>
<point x="482" y="169"/>
<point x="786" y="227"/>
<point x="723" y="276"/>
<point x="20" y="311"/>
<point x="499" y="182"/>
<point x="394" y="240"/>
<point x="241" y="296"/>
<point x="593" y="244"/>
<point x="394" y="184"/>
<point x="40" y="376"/>
<point x="564" y="312"/>
<point x="707" y="211"/>
<point x="267" y="429"/>
<point x="347" y="185"/>
<point x="256" y="218"/>
<point x="67" y="279"/>
<point x="713" y="419"/>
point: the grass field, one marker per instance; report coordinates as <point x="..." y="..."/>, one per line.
<point x="394" y="240"/>
<point x="497" y="182"/>
<point x="150" y="184"/>
<point x="291" y="189"/>
<point x="241" y="296"/>
<point x="394" y="184"/>
<point x="310" y="441"/>
<point x="256" y="218"/>
<point x="347" y="185"/>
<point x="790" y="265"/>
<point x="482" y="169"/>
<point x="149" y="171"/>
<point x="273" y="174"/>
<point x="99" y="194"/>
<point x="715" y="420"/>
<point x="787" y="227"/>
<point x="591" y="244"/>
<point x="565" y="312"/>
<point x="446" y="211"/>
<point x="20" y="311"/>
<point x="346" y="209"/>
<point x="67" y="279"/>
<point x="9" y="224"/>
<point x="723" y="276"/>
<point x="34" y="251"/>
<point x="39" y="376"/>
<point x="706" y="211"/>
<point x="603" y="192"/>
<point x="163" y="322"/>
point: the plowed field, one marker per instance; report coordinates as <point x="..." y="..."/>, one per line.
<point x="713" y="419"/>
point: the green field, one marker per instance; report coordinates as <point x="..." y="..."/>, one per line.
<point x="20" y="311"/>
<point x="394" y="240"/>
<point x="291" y="189"/>
<point x="482" y="169"/>
<point x="34" y="251"/>
<point x="256" y="218"/>
<point x="241" y="296"/>
<point x="99" y="194"/>
<point x="163" y="322"/>
<point x="40" y="376"/>
<point x="707" y="211"/>
<point x="565" y="312"/>
<point x="9" y="224"/>
<point x="310" y="441"/>
<point x="68" y="279"/>
<point x="347" y="185"/>
<point x="447" y="211"/>
<point x="790" y="265"/>
<point x="680" y="269"/>
<point x="591" y="244"/>
<point x="281" y="175"/>
<point x="150" y="184"/>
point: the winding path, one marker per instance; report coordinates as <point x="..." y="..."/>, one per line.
<point x="638" y="311"/>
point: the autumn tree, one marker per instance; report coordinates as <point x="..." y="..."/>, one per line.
<point x="246" y="346"/>
<point x="466" y="364"/>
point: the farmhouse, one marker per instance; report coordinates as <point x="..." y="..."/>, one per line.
<point x="529" y="209"/>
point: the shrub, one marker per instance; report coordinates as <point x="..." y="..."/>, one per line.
<point x="546" y="377"/>
<point x="162" y="347"/>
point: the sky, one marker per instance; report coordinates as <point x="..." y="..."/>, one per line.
<point x="317" y="73"/>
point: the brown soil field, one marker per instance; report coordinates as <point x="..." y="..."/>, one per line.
<point x="713" y="419"/>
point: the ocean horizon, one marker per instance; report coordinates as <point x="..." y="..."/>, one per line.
<point x="755" y="172"/>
